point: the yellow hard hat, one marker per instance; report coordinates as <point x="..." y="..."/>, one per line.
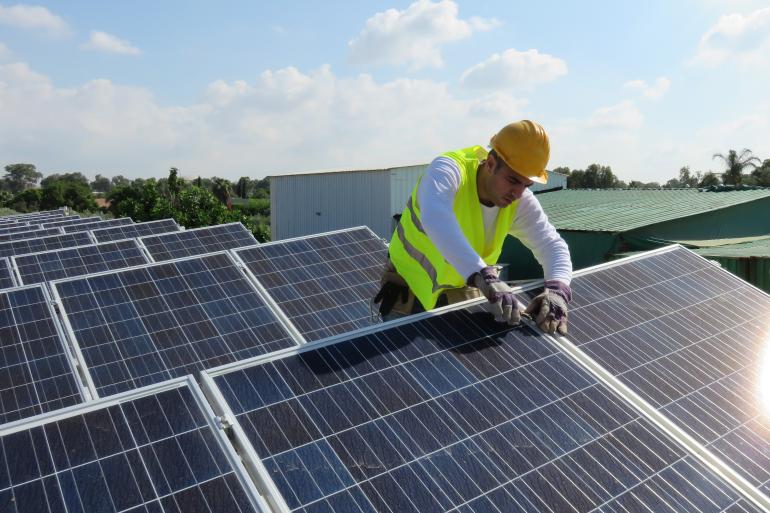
<point x="524" y="146"/>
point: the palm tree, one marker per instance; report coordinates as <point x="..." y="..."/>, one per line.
<point x="222" y="189"/>
<point x="736" y="164"/>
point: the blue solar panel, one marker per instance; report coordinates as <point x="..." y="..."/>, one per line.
<point x="452" y="414"/>
<point x="135" y="230"/>
<point x="691" y="339"/>
<point x="30" y="234"/>
<point x="323" y="283"/>
<point x="25" y="246"/>
<point x="102" y="223"/>
<point x="7" y="278"/>
<point x="198" y="241"/>
<point x="35" y="371"/>
<point x="151" y="452"/>
<point x="145" y="325"/>
<point x="14" y="228"/>
<point x="71" y="221"/>
<point x="79" y="261"/>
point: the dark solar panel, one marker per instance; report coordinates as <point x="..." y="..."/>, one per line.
<point x="35" y="371"/>
<point x="323" y="283"/>
<point x="691" y="339"/>
<point x="198" y="241"/>
<point x="132" y="231"/>
<point x="106" y="223"/>
<point x="65" y="263"/>
<point x="151" y="453"/>
<point x="30" y="234"/>
<point x="7" y="278"/>
<point x="144" y="325"/>
<point x="448" y="414"/>
<point x="70" y="222"/>
<point x="25" y="246"/>
<point x="14" y="228"/>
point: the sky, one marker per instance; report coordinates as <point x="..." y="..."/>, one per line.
<point x="247" y="88"/>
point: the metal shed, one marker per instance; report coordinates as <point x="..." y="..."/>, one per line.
<point x="303" y="204"/>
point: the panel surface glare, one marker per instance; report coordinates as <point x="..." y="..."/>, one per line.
<point x="154" y="454"/>
<point x="102" y="223"/>
<point x="25" y="246"/>
<point x="198" y="241"/>
<point x="135" y="230"/>
<point x="35" y="374"/>
<point x="65" y="263"/>
<point x="30" y="234"/>
<point x="450" y="414"/>
<point x="324" y="283"/>
<point x="691" y="339"/>
<point x="144" y="325"/>
<point x="6" y="274"/>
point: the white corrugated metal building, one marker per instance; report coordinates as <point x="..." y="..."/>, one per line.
<point x="307" y="203"/>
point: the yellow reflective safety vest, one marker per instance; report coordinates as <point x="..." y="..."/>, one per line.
<point x="415" y="257"/>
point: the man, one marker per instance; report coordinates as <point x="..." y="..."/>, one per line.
<point x="452" y="230"/>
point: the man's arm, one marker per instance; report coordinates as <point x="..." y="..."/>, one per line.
<point x="436" y="195"/>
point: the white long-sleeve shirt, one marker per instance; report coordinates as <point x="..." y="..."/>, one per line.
<point x="436" y="195"/>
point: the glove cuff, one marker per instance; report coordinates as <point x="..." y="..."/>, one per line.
<point x="488" y="274"/>
<point x="560" y="288"/>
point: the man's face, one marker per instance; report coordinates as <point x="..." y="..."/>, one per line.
<point x="505" y="185"/>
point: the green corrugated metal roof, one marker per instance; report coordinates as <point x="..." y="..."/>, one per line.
<point x="757" y="249"/>
<point x="620" y="210"/>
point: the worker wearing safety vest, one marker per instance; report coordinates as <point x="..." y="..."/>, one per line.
<point x="452" y="230"/>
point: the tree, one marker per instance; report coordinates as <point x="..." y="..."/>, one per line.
<point x="709" y="179"/>
<point x="222" y="189"/>
<point x="761" y="174"/>
<point x="242" y="187"/>
<point x="26" y="201"/>
<point x="76" y="177"/>
<point x="119" y="181"/>
<point x="736" y="163"/>
<point x="174" y="185"/>
<point x="101" y="184"/>
<point x="595" y="176"/>
<point x="20" y="177"/>
<point x="72" y="193"/>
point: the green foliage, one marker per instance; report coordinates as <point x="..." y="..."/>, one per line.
<point x="75" y="177"/>
<point x="19" y="177"/>
<point x="595" y="176"/>
<point x="101" y="184"/>
<point x="26" y="201"/>
<point x="761" y="175"/>
<point x="222" y="189"/>
<point x="70" y="193"/>
<point x="119" y="181"/>
<point x="735" y="164"/>
<point x="254" y="207"/>
<point x="242" y="187"/>
<point x="635" y="184"/>
<point x="709" y="179"/>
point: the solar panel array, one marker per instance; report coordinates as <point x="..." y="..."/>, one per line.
<point x="323" y="283"/>
<point x="198" y="241"/>
<point x="71" y="221"/>
<point x="7" y="278"/>
<point x="79" y="261"/>
<point x="29" y="234"/>
<point x="135" y="230"/>
<point x="24" y="246"/>
<point x="35" y="371"/>
<point x="4" y="230"/>
<point x="106" y="223"/>
<point x="151" y="453"/>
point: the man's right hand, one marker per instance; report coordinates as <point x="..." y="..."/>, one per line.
<point x="502" y="301"/>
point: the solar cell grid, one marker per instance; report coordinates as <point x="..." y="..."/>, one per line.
<point x="7" y="278"/>
<point x="25" y="246"/>
<point x="151" y="454"/>
<point x="198" y="241"/>
<point x="64" y="263"/>
<point x="14" y="228"/>
<point x="692" y="340"/>
<point x="135" y="230"/>
<point x="72" y="221"/>
<point x="35" y="372"/>
<point x="45" y="232"/>
<point x="450" y="414"/>
<point x="144" y="325"/>
<point x="102" y="223"/>
<point x="323" y="283"/>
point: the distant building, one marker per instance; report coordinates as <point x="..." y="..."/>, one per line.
<point x="306" y="203"/>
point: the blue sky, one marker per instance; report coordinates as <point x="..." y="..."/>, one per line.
<point x="258" y="88"/>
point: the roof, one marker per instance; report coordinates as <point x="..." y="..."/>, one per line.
<point x="619" y="210"/>
<point x="757" y="249"/>
<point x="335" y="171"/>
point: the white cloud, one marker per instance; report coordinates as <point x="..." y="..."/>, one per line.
<point x="514" y="69"/>
<point x="745" y="39"/>
<point x="33" y="17"/>
<point x="104" y="42"/>
<point x="285" y="120"/>
<point x="623" y="116"/>
<point x="5" y="52"/>
<point x="654" y="91"/>
<point x="413" y="36"/>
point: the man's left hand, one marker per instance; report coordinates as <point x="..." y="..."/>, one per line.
<point x="549" y="309"/>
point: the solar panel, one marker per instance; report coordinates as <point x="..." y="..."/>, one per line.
<point x="198" y="241"/>
<point x="151" y="452"/>
<point x="144" y="325"/>
<point x="14" y="228"/>
<point x="692" y="340"/>
<point x="79" y="261"/>
<point x="73" y="221"/>
<point x="24" y="246"/>
<point x="136" y="230"/>
<point x="104" y="223"/>
<point x="35" y="371"/>
<point x="7" y="278"/>
<point x="450" y="414"/>
<point x="323" y="283"/>
<point x="30" y="234"/>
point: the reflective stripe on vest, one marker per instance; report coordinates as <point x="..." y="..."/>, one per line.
<point x="415" y="257"/>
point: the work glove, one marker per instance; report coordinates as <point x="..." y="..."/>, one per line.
<point x="502" y="303"/>
<point x="549" y="309"/>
